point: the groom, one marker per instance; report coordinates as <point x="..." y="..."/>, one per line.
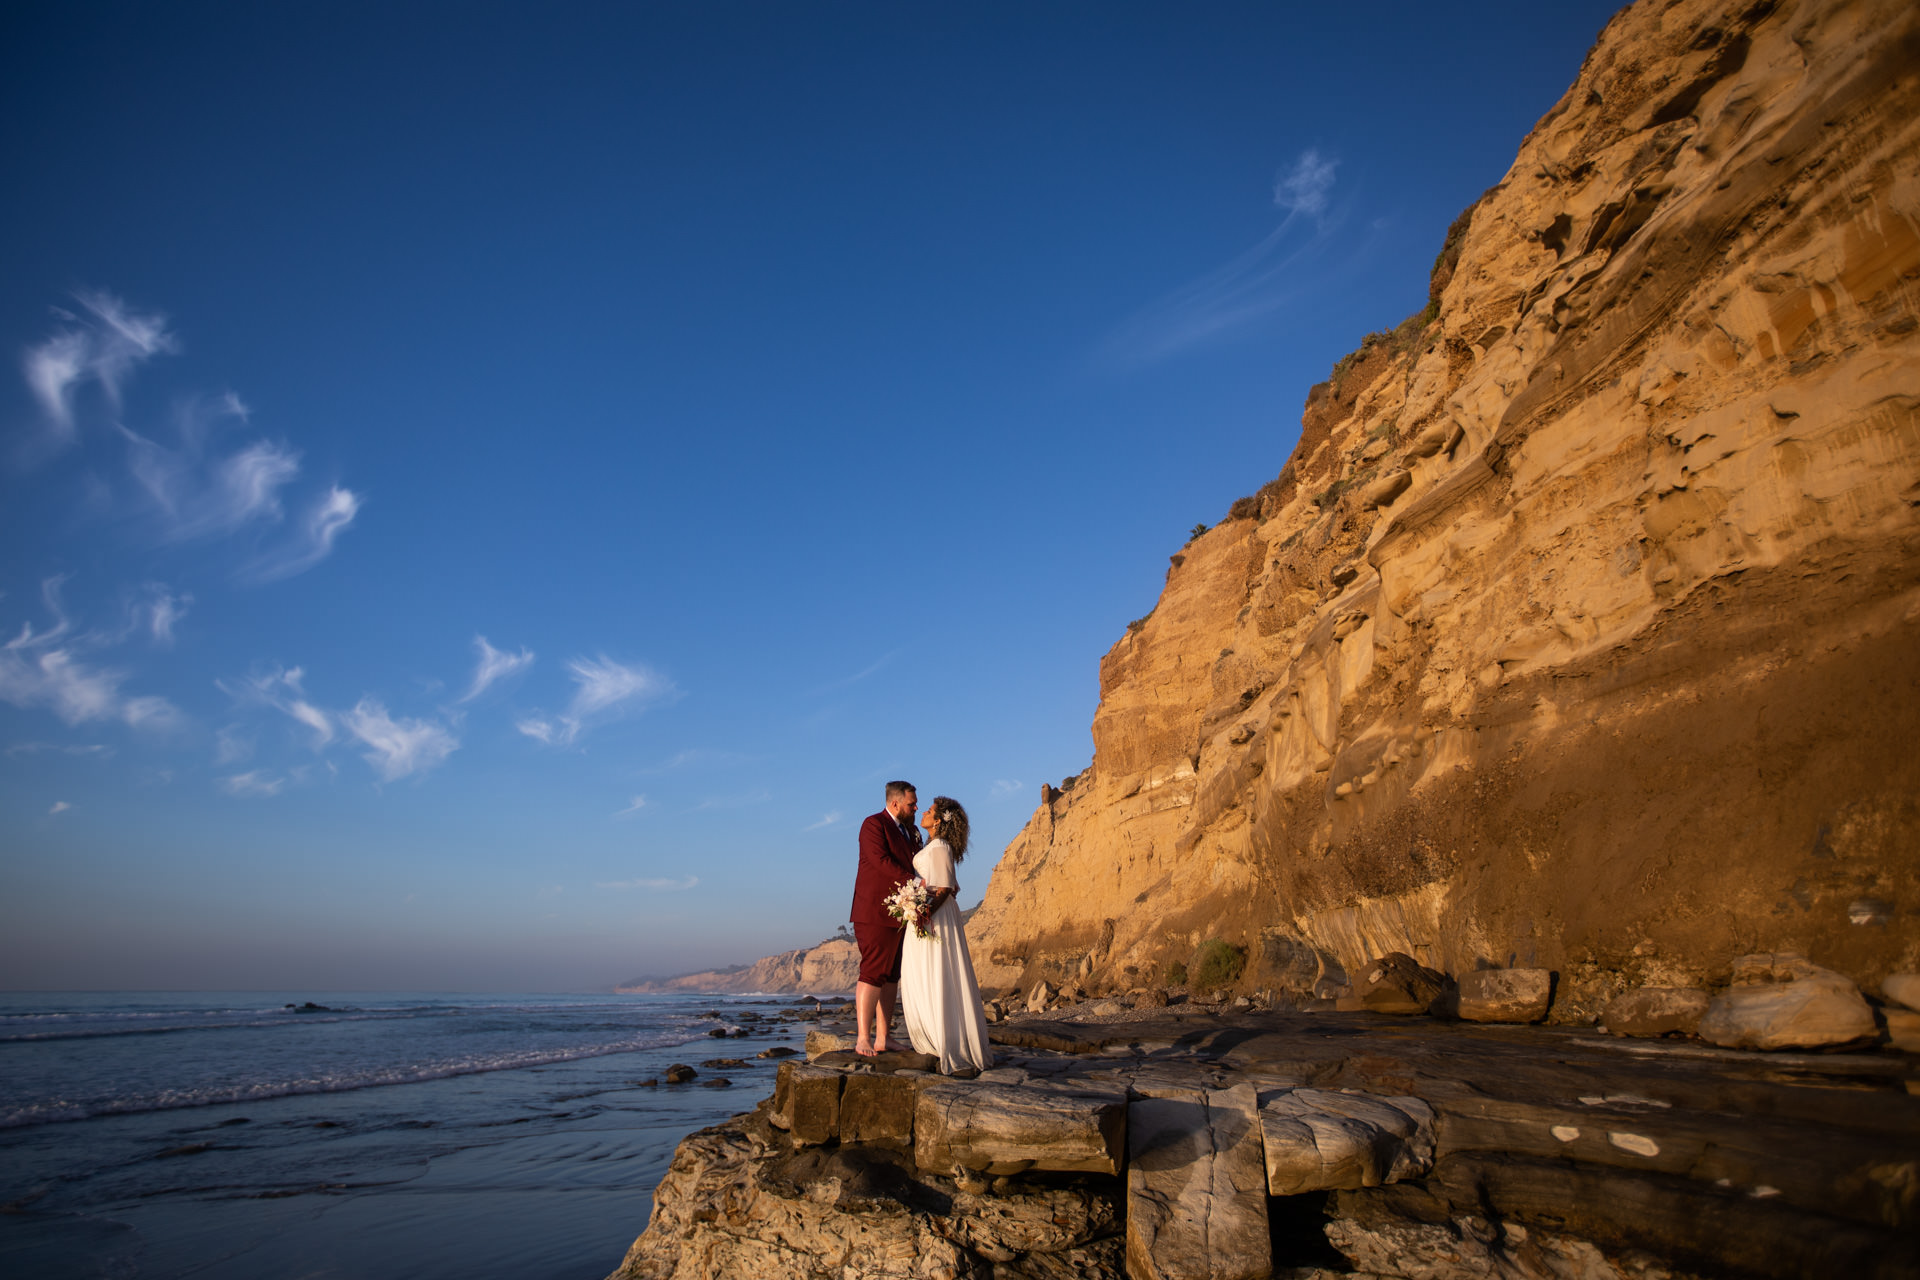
<point x="888" y="841"/>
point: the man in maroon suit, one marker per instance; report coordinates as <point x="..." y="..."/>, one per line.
<point x="888" y="841"/>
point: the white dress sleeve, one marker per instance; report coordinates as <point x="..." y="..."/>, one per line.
<point x="939" y="869"/>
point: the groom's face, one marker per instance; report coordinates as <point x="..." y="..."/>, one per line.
<point x="903" y="806"/>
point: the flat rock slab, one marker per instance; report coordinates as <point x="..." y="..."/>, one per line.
<point x="1318" y="1140"/>
<point x="885" y="1063"/>
<point x="1008" y="1129"/>
<point x="1197" y="1188"/>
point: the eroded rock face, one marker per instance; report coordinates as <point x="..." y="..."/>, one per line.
<point x="736" y="1203"/>
<point x="1577" y="633"/>
<point x="831" y="967"/>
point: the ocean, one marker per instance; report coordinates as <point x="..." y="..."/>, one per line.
<point x="231" y="1136"/>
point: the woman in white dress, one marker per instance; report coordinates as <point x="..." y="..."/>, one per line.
<point x="938" y="992"/>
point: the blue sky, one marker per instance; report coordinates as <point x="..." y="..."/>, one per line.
<point x="492" y="492"/>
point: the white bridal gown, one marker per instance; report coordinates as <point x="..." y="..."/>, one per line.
<point x="938" y="992"/>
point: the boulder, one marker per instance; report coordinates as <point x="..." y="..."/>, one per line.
<point x="1902" y="989"/>
<point x="1782" y="1001"/>
<point x="1505" y="995"/>
<point x="1196" y="1188"/>
<point x="1318" y="1140"/>
<point x="680" y="1073"/>
<point x="778" y="1051"/>
<point x="819" y="1042"/>
<point x="1151" y="998"/>
<point x="806" y="1102"/>
<point x="1007" y="1129"/>
<point x="1397" y="983"/>
<point x="1043" y="994"/>
<point x="1655" y="1011"/>
<point x="877" y="1109"/>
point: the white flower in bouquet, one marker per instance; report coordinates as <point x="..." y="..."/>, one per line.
<point x="908" y="905"/>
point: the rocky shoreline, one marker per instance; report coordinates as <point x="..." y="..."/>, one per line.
<point x="1197" y="1140"/>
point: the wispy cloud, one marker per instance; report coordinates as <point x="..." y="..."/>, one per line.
<point x="161" y="611"/>
<point x="1252" y="285"/>
<point x="280" y="689"/>
<point x="101" y="346"/>
<point x="200" y="496"/>
<point x="639" y="803"/>
<point x="59" y="806"/>
<point x="46" y="669"/>
<point x="195" y="485"/>
<point x="692" y="757"/>
<point x="660" y="886"/>
<point x="870" y="669"/>
<point x="254" y="782"/>
<point x="231" y="746"/>
<point x="494" y="665"/>
<point x="310" y="542"/>
<point x="826" y="820"/>
<point x="1304" y="187"/>
<point x="602" y="688"/>
<point x="398" y="747"/>
<point x="1003" y="787"/>
<point x="75" y="749"/>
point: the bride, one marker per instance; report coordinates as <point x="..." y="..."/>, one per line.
<point x="938" y="993"/>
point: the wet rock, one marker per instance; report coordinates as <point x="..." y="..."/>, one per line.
<point x="1505" y="995"/>
<point x="1196" y="1187"/>
<point x="717" y="1082"/>
<point x="778" y="1051"/>
<point x="722" y="1064"/>
<point x="680" y="1073"/>
<point x="1397" y="983"/>
<point x="1318" y="1140"/>
<point x="718" y="1033"/>
<point x="1656" y="1011"/>
<point x="1781" y="1000"/>
<point x="1006" y="1129"/>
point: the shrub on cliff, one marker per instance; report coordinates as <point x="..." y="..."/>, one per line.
<point x="1217" y="963"/>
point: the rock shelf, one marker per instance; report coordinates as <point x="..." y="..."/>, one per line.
<point x="1194" y="1144"/>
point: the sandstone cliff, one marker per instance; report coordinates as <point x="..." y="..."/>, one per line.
<point x="830" y="968"/>
<point x="1582" y="629"/>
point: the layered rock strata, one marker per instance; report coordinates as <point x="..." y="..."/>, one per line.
<point x="1187" y="1144"/>
<point x="1579" y="632"/>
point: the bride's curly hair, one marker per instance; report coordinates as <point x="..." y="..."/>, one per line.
<point x="950" y="824"/>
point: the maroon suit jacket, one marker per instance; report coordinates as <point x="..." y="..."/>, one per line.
<point x="886" y="861"/>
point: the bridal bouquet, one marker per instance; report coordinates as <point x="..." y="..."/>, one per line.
<point x="909" y="905"/>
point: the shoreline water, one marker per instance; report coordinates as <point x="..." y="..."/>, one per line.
<point x="418" y="1135"/>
